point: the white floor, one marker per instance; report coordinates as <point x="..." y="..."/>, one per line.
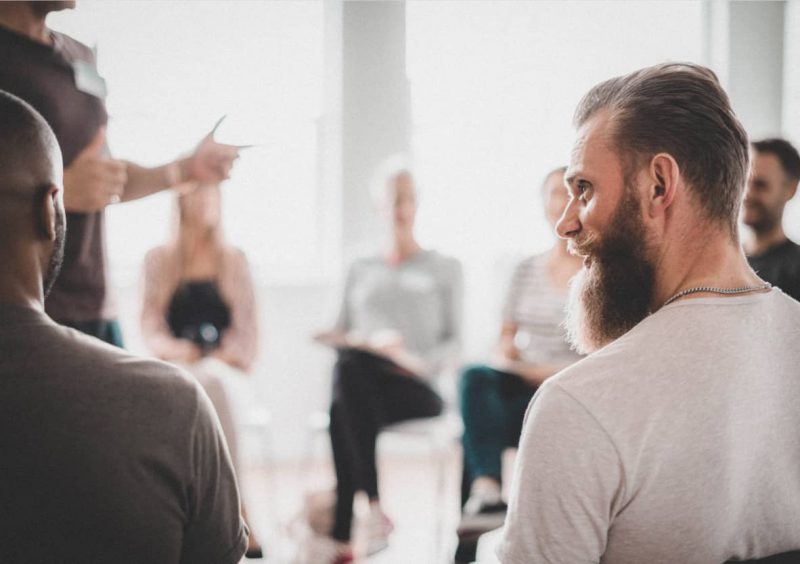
<point x="408" y="485"/>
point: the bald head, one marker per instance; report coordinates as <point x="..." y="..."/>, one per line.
<point x="31" y="203"/>
<point x="29" y="153"/>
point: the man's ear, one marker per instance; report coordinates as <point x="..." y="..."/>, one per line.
<point x="791" y="189"/>
<point x="48" y="211"/>
<point x="664" y="180"/>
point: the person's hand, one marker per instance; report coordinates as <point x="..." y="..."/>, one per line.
<point x="507" y="350"/>
<point x="387" y="342"/>
<point x="333" y="338"/>
<point x="94" y="180"/>
<point x="211" y="162"/>
<point x="183" y="351"/>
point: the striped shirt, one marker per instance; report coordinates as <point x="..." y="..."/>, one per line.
<point x="537" y="308"/>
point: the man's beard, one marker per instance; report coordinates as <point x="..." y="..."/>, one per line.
<point x="766" y="219"/>
<point x="615" y="292"/>
<point x="57" y="258"/>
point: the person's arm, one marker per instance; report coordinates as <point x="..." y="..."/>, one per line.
<point x="239" y="341"/>
<point x="210" y="163"/>
<point x="214" y="532"/>
<point x="155" y="331"/>
<point x="568" y="484"/>
<point x="534" y="374"/>
<point x="449" y="346"/>
<point x="94" y="180"/>
<point x="337" y="336"/>
<point x="507" y="356"/>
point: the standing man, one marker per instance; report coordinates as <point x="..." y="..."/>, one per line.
<point x="676" y="439"/>
<point x="57" y="75"/>
<point x="773" y="182"/>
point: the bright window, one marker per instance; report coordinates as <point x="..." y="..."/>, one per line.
<point x="493" y="89"/>
<point x="494" y="85"/>
<point x="173" y="68"/>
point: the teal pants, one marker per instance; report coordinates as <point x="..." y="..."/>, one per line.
<point x="493" y="405"/>
<point x="107" y="330"/>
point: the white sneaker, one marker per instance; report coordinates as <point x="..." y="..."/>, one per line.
<point x="378" y="528"/>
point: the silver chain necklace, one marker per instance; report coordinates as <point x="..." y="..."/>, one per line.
<point x="742" y="290"/>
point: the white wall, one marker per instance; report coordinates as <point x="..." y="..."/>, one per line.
<point x="492" y="115"/>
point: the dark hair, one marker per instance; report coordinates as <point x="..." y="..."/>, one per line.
<point x="680" y="109"/>
<point x="786" y="153"/>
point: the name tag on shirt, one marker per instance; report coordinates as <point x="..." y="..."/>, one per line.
<point x="88" y="80"/>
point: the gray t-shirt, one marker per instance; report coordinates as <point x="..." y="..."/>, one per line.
<point x="419" y="298"/>
<point x="678" y="442"/>
<point x="107" y="457"/>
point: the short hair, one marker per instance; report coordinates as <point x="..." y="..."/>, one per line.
<point x="784" y="151"/>
<point x="26" y="142"/>
<point x="680" y="109"/>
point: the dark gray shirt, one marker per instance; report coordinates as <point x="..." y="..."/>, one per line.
<point x="107" y="457"/>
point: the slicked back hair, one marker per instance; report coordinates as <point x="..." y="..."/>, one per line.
<point x="679" y="109"/>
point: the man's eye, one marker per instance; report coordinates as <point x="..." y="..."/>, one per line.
<point x="583" y="189"/>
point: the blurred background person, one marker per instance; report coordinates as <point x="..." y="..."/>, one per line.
<point x="199" y="307"/>
<point x="774" y="175"/>
<point x="58" y="76"/>
<point x="532" y="347"/>
<point x="399" y="324"/>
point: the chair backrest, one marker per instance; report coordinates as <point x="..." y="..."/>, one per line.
<point x="783" y="558"/>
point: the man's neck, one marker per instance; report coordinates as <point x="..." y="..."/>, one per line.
<point x="22" y="19"/>
<point x="404" y="246"/>
<point x="703" y="259"/>
<point x="759" y="243"/>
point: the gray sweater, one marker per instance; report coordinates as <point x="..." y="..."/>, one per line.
<point x="421" y="298"/>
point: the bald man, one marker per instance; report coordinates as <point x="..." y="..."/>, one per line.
<point x="105" y="457"/>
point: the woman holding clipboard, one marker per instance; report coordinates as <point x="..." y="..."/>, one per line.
<point x="398" y="325"/>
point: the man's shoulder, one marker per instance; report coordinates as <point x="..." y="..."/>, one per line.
<point x="107" y="361"/>
<point x="72" y="48"/>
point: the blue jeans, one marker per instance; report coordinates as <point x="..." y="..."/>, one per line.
<point x="493" y="405"/>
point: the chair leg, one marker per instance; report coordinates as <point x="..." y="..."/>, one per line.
<point x="440" y="455"/>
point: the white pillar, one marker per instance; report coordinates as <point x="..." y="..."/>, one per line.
<point x="329" y="144"/>
<point x="376" y="111"/>
<point x="755" y="65"/>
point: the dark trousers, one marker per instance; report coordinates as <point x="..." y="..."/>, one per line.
<point x="493" y="405"/>
<point x="105" y="330"/>
<point x="369" y="392"/>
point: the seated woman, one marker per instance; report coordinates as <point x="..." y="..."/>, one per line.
<point x="199" y="307"/>
<point x="399" y="323"/>
<point x="532" y="348"/>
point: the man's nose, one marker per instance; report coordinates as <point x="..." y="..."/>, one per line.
<point x="569" y="225"/>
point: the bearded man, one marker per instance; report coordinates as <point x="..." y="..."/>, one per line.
<point x="676" y="439"/>
<point x="773" y="183"/>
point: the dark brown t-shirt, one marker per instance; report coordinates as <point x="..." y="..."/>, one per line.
<point x="43" y="75"/>
<point x="107" y="457"/>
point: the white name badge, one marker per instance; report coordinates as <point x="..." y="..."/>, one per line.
<point x="87" y="80"/>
